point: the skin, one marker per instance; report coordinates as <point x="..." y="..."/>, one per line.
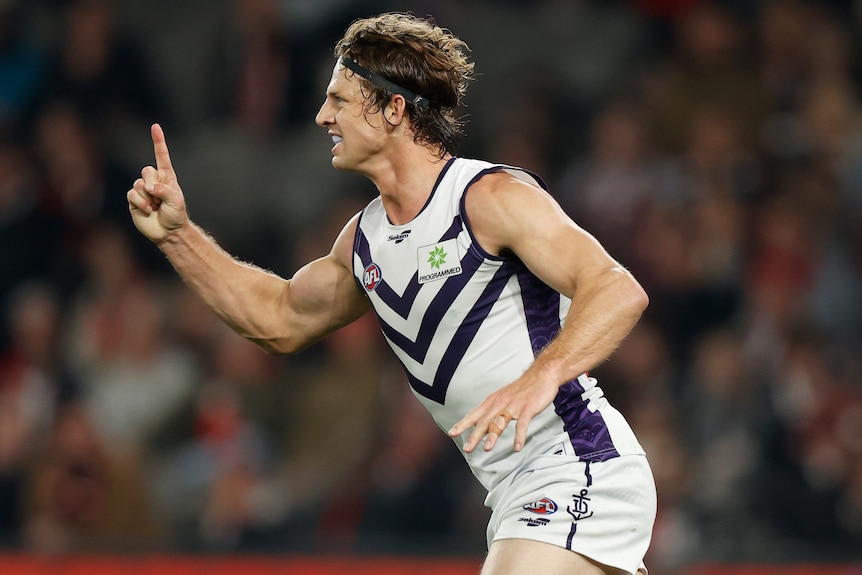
<point x="290" y="314"/>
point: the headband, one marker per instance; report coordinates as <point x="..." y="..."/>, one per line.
<point x="382" y="82"/>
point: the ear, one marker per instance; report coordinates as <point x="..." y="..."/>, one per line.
<point x="396" y="110"/>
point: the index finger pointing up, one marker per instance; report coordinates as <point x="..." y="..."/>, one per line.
<point x="160" y="147"/>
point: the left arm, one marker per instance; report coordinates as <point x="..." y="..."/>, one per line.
<point x="510" y="216"/>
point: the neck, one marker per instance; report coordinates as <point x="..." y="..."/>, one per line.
<point x="406" y="181"/>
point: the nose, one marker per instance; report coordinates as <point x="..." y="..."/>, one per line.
<point x="324" y="115"/>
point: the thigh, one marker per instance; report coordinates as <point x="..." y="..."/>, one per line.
<point x="526" y="557"/>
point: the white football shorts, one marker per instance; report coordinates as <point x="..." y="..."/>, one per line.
<point x="603" y="510"/>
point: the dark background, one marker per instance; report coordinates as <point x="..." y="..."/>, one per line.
<point x="713" y="147"/>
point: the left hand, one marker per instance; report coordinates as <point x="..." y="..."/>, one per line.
<point x="519" y="401"/>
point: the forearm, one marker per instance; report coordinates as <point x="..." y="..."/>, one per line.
<point x="600" y="317"/>
<point x="243" y="296"/>
<point x="597" y="321"/>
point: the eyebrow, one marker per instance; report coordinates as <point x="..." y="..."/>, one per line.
<point x="333" y="91"/>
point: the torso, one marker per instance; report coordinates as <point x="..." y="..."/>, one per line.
<point x="464" y="323"/>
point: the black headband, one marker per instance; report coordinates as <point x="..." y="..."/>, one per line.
<point x="382" y="82"/>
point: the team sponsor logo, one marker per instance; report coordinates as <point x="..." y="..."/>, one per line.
<point x="580" y="507"/>
<point x="438" y="261"/>
<point x="543" y="506"/>
<point x="398" y="238"/>
<point x="372" y="276"/>
<point x="535" y="521"/>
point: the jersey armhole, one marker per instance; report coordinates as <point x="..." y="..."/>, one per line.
<point x="519" y="173"/>
<point x="355" y="254"/>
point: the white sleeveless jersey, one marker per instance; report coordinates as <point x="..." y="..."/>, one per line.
<point x="465" y="323"/>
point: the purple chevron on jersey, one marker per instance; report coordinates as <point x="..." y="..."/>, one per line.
<point x="435" y="314"/>
<point x="400" y="304"/>
<point x="436" y="390"/>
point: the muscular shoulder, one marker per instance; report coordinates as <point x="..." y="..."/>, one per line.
<point x="342" y="249"/>
<point x="501" y="208"/>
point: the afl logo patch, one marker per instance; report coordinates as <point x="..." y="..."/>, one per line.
<point x="371" y="278"/>
<point x="543" y="506"/>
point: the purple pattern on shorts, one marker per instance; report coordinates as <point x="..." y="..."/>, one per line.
<point x="572" y="531"/>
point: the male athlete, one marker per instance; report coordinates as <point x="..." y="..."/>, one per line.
<point x="494" y="301"/>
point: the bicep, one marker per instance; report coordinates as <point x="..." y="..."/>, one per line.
<point x="512" y="216"/>
<point x="607" y="300"/>
<point x="565" y="256"/>
<point x="322" y="296"/>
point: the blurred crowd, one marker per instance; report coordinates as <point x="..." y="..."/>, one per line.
<point x="714" y="148"/>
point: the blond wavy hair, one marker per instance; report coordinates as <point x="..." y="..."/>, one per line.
<point x="416" y="54"/>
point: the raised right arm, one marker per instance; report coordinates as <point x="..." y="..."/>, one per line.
<point x="282" y="316"/>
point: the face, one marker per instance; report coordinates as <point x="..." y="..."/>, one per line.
<point x="357" y="135"/>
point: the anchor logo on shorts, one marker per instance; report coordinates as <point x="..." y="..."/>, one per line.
<point x="580" y="509"/>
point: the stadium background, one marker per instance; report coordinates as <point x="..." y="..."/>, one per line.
<point x="714" y="147"/>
